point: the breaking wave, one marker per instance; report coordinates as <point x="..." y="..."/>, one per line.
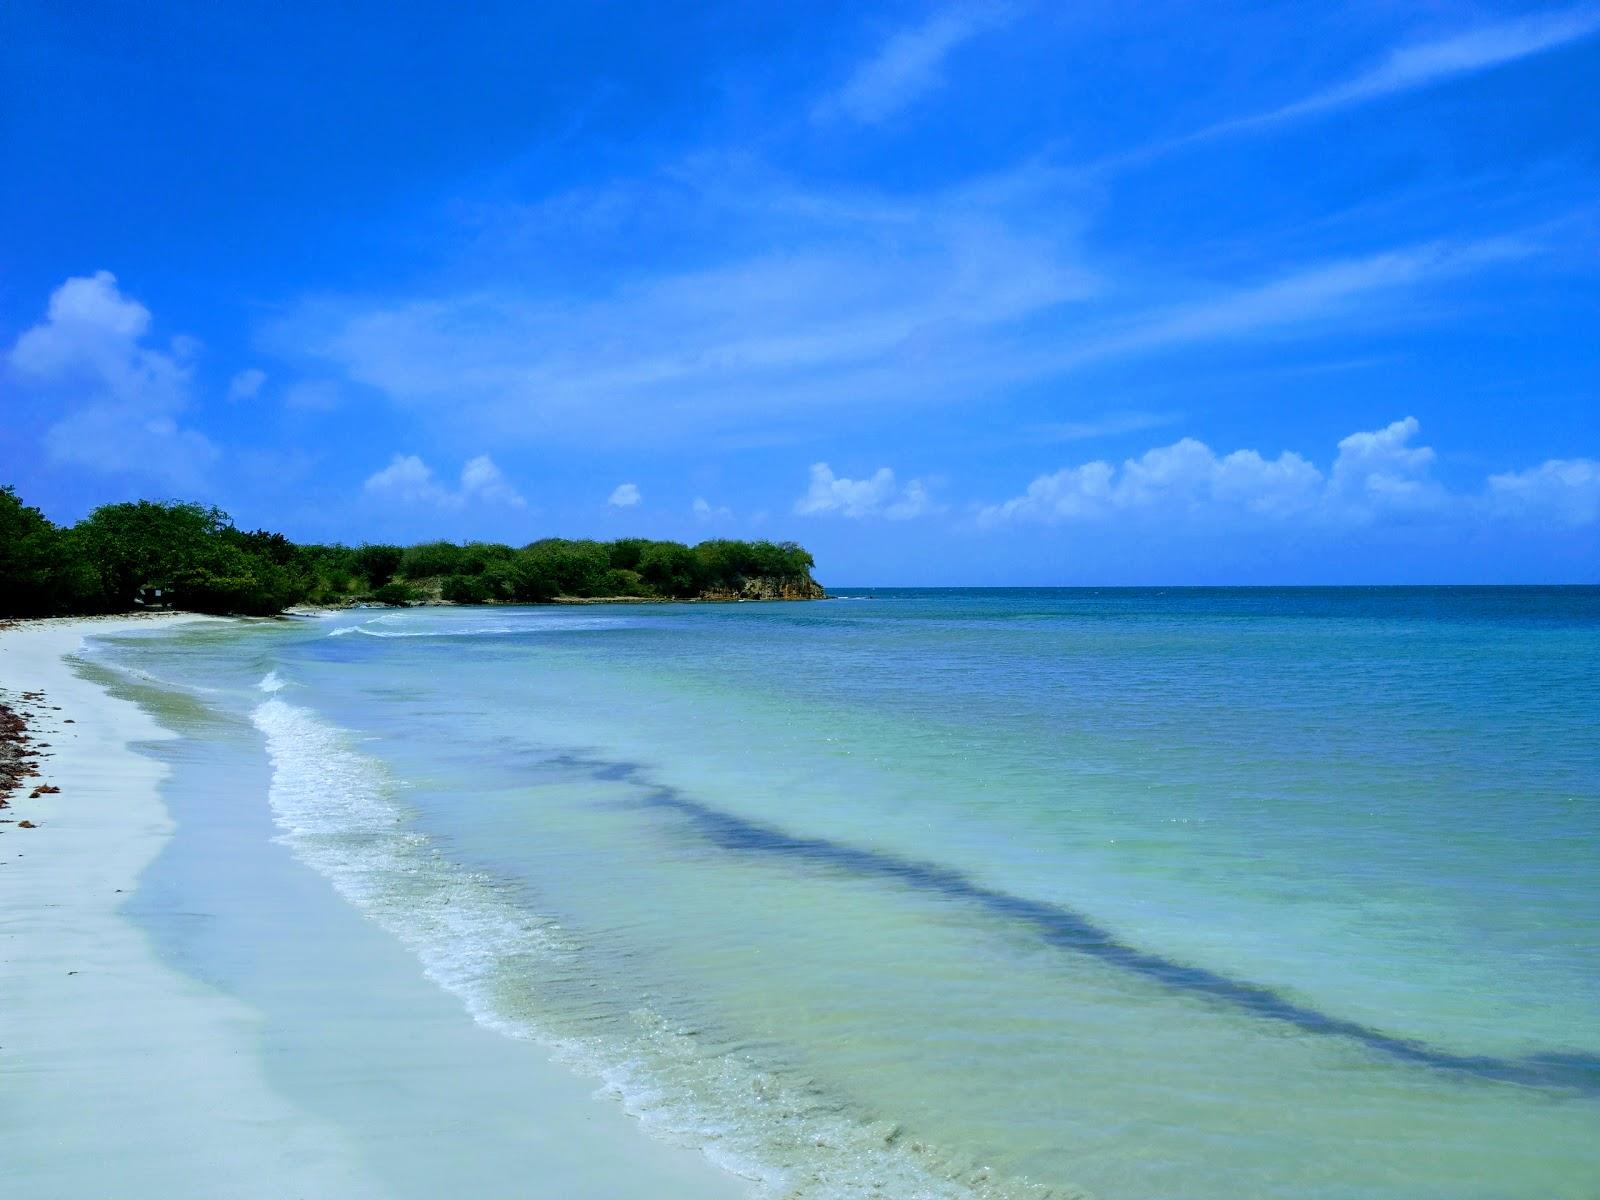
<point x="338" y="809"/>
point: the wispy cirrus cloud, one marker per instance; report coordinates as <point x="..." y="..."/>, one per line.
<point x="835" y="301"/>
<point x="1404" y="69"/>
<point x="1424" y="64"/>
<point x="1302" y="298"/>
<point x="1323" y="288"/>
<point x="907" y="65"/>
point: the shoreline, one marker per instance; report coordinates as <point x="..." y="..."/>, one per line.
<point x="126" y="1075"/>
<point x="119" y="1072"/>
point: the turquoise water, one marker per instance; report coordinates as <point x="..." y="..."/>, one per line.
<point x="1124" y="893"/>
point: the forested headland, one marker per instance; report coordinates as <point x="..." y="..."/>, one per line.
<point x="190" y="556"/>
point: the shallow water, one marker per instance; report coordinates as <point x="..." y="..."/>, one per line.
<point x="1129" y="893"/>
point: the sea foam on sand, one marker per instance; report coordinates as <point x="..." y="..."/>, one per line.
<point x="123" y="1076"/>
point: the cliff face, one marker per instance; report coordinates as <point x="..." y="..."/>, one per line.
<point x="770" y="587"/>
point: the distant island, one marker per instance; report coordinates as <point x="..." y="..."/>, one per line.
<point x="192" y="557"/>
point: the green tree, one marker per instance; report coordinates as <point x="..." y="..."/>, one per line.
<point x="146" y="543"/>
<point x="533" y="578"/>
<point x="477" y="557"/>
<point x="671" y="569"/>
<point x="500" y="578"/>
<point x="577" y="568"/>
<point x="395" y="593"/>
<point x="377" y="562"/>
<point x="192" y="553"/>
<point x="428" y="559"/>
<point x="625" y="583"/>
<point x="624" y="553"/>
<point x="465" y="589"/>
<point x="199" y="560"/>
<point x="221" y="578"/>
<point x="43" y="570"/>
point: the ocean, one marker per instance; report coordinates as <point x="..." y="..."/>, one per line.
<point x="960" y="893"/>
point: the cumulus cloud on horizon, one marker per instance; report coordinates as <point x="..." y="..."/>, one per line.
<point x="1376" y="474"/>
<point x="625" y="495"/>
<point x="1561" y="489"/>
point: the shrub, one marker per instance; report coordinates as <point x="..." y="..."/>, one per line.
<point x="671" y="569"/>
<point x="575" y="568"/>
<point x="377" y="562"/>
<point x="466" y="589"/>
<point x="477" y="557"/>
<point x="398" y="594"/>
<point x="625" y="583"/>
<point x="430" y="559"/>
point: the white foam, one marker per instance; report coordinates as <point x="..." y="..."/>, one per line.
<point x="528" y="624"/>
<point x="337" y="810"/>
<point x="89" y="651"/>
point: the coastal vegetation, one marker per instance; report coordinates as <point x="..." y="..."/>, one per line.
<point x="193" y="557"/>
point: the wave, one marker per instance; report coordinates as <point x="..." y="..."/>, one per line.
<point x="499" y="629"/>
<point x="336" y="808"/>
<point x="89" y="652"/>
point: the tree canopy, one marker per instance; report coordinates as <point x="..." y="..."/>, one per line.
<point x="192" y="557"/>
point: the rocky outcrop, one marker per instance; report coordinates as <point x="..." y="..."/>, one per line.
<point x="770" y="587"/>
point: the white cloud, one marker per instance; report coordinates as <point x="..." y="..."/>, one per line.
<point x="1561" y="489"/>
<point x="871" y="304"/>
<point x="704" y="510"/>
<point x="90" y="327"/>
<point x="1426" y="63"/>
<point x="482" y="480"/>
<point x="410" y="481"/>
<point x="1375" y="473"/>
<point x="875" y="496"/>
<point x="913" y="501"/>
<point x="246" y="385"/>
<point x="121" y="398"/>
<point x="1382" y="472"/>
<point x="906" y="67"/>
<point x="833" y="298"/>
<point x="1301" y="297"/>
<point x="625" y="495"/>
<point x="1184" y="479"/>
<point x="1376" y="476"/>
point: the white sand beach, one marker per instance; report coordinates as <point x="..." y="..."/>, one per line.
<point x="121" y="1075"/>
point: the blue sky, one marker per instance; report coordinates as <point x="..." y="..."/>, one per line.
<point x="989" y="293"/>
